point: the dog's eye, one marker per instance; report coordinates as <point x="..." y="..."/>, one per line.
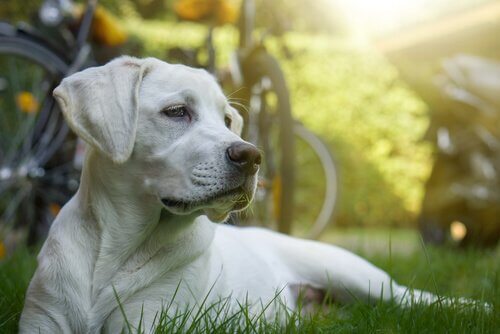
<point x="176" y="111"/>
<point x="228" y="121"/>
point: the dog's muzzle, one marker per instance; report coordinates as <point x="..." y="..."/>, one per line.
<point x="234" y="194"/>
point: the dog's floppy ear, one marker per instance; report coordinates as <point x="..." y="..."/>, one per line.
<point x="100" y="105"/>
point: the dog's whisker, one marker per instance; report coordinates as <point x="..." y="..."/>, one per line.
<point x="234" y="92"/>
<point x="237" y="99"/>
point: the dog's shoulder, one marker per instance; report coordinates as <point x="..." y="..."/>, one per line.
<point x="72" y="234"/>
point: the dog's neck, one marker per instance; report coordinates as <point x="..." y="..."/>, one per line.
<point x="132" y="225"/>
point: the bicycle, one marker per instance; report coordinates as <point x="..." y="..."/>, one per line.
<point x="257" y="80"/>
<point x="39" y="156"/>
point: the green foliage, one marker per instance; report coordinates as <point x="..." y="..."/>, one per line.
<point x="18" y="10"/>
<point x="158" y="36"/>
<point x="355" y="100"/>
<point x="127" y="9"/>
<point x="308" y="16"/>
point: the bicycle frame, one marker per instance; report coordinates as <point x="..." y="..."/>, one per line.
<point x="86" y="24"/>
<point x="246" y="23"/>
<point x="80" y="50"/>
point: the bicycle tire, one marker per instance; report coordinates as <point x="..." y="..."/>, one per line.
<point x="25" y="47"/>
<point x="329" y="178"/>
<point x="262" y="65"/>
<point x="45" y="141"/>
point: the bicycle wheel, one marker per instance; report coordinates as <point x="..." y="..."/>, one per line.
<point x="316" y="182"/>
<point x="36" y="171"/>
<point x="270" y="127"/>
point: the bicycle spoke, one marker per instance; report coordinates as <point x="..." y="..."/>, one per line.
<point x="53" y="196"/>
<point x="42" y="94"/>
<point x="36" y="130"/>
<point x="14" y="76"/>
<point x="53" y="145"/>
<point x="16" y="141"/>
<point x="5" y="185"/>
<point x="43" y="118"/>
<point x="61" y="168"/>
<point x="15" y="201"/>
<point x="26" y="119"/>
<point x="48" y="131"/>
<point x="60" y="177"/>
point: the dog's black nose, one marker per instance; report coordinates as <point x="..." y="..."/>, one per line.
<point x="245" y="156"/>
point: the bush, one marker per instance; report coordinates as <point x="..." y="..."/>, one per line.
<point x="355" y="100"/>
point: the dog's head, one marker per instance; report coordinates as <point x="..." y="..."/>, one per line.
<point x="172" y="127"/>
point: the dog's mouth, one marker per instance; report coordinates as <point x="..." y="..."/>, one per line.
<point x="216" y="206"/>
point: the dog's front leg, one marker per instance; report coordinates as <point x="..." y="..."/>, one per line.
<point x="41" y="314"/>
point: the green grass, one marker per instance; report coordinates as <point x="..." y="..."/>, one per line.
<point x="455" y="273"/>
<point x="15" y="274"/>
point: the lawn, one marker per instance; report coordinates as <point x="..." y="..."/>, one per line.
<point x="469" y="273"/>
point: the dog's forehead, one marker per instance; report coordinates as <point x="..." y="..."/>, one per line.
<point x="171" y="78"/>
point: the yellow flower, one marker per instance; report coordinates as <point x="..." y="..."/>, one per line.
<point x="217" y="11"/>
<point x="54" y="209"/>
<point x="26" y="102"/>
<point x="106" y="29"/>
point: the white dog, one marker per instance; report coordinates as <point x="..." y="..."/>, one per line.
<point x="166" y="162"/>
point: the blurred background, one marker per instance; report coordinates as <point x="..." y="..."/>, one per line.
<point x="404" y="93"/>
